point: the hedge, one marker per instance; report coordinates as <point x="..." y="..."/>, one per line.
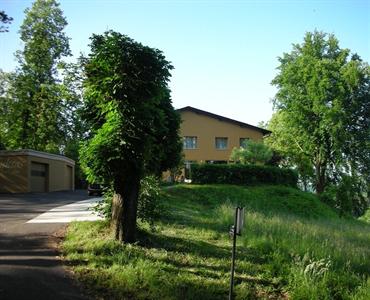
<point x="242" y="174"/>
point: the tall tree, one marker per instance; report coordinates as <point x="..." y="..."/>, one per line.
<point x="36" y="104"/>
<point x="323" y="110"/>
<point x="134" y="128"/>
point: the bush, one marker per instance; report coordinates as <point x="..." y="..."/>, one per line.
<point x="255" y="153"/>
<point x="149" y="208"/>
<point x="148" y="204"/>
<point x="242" y="174"/>
<point x="350" y="196"/>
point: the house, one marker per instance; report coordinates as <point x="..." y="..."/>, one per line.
<point x="23" y="171"/>
<point x="210" y="138"/>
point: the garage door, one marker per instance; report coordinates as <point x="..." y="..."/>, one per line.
<point x="69" y="178"/>
<point x="39" y="174"/>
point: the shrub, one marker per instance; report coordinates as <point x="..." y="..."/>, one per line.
<point x="349" y="196"/>
<point x="148" y="205"/>
<point x="242" y="174"/>
<point x="149" y="200"/>
<point x="255" y="153"/>
<point x="104" y="206"/>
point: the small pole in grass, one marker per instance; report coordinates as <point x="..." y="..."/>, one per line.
<point x="234" y="231"/>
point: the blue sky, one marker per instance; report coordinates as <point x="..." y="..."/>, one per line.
<point x="224" y="52"/>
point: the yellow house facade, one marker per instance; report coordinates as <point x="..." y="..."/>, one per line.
<point x="210" y="138"/>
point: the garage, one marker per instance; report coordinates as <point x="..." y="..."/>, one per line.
<point x="24" y="171"/>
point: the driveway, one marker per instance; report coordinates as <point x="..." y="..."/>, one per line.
<point x="29" y="226"/>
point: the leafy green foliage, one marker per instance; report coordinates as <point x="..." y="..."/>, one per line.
<point x="104" y="207"/>
<point x="322" y="121"/>
<point x="149" y="203"/>
<point x="242" y="174"/>
<point x="149" y="207"/>
<point x="366" y="216"/>
<point x="40" y="112"/>
<point x="128" y="107"/>
<point x="346" y="198"/>
<point x="282" y="140"/>
<point x="133" y="126"/>
<point x="252" y="152"/>
<point x="294" y="247"/>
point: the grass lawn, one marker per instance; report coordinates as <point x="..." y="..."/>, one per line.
<point x="293" y="247"/>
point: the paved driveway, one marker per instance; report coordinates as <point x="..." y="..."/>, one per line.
<point x="29" y="263"/>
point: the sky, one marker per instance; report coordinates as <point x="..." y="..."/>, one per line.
<point x="225" y="53"/>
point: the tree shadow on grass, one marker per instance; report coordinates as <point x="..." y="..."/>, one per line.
<point x="203" y="249"/>
<point x="205" y="252"/>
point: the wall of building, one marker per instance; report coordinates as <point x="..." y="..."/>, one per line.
<point x="206" y="129"/>
<point x="58" y="174"/>
<point x="13" y="174"/>
<point x="23" y="171"/>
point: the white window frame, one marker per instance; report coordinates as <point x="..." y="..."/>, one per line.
<point x="192" y="145"/>
<point x="217" y="144"/>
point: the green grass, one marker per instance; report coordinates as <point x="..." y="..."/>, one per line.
<point x="293" y="247"/>
<point x="366" y="216"/>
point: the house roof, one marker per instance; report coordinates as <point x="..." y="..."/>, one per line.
<point x="225" y="119"/>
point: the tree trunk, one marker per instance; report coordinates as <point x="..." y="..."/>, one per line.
<point x="117" y="209"/>
<point x="305" y="184"/>
<point x="124" y="210"/>
<point x="320" y="178"/>
<point x="130" y="204"/>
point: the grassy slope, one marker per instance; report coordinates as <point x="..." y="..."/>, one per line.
<point x="293" y="246"/>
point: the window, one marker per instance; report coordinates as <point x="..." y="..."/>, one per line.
<point x="190" y="142"/>
<point x="221" y="143"/>
<point x="243" y="142"/>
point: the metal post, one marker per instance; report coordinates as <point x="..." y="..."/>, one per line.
<point x="233" y="256"/>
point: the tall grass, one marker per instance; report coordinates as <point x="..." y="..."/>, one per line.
<point x="314" y="259"/>
<point x="292" y="247"/>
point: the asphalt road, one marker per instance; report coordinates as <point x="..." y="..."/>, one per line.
<point x="29" y="263"/>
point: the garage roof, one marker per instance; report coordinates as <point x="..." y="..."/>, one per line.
<point x="29" y="152"/>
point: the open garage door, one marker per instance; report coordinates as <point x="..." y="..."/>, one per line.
<point x="39" y="182"/>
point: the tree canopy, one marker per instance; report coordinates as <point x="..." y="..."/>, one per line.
<point x="322" y="119"/>
<point x="37" y="109"/>
<point x="134" y="128"/>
